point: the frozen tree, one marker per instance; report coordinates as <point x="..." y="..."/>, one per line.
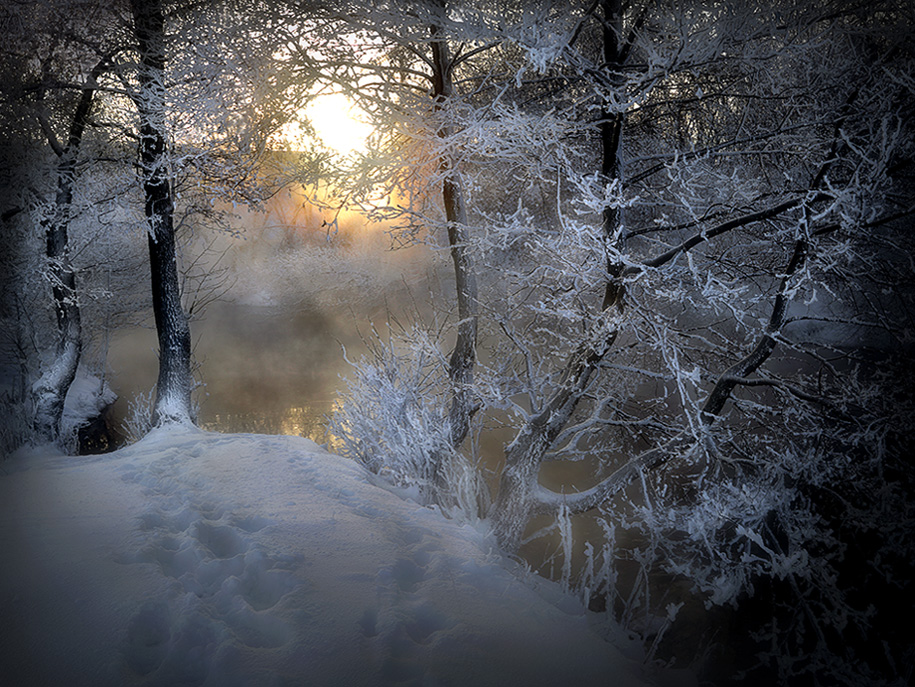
<point x="52" y="69"/>
<point x="407" y="66"/>
<point x="51" y="389"/>
<point x="695" y="223"/>
<point x="720" y="266"/>
<point x="173" y="388"/>
<point x="210" y="92"/>
<point x="83" y="89"/>
<point x="206" y="113"/>
<point x="418" y="90"/>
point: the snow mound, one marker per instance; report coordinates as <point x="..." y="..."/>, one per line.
<point x="193" y="558"/>
<point x="86" y="398"/>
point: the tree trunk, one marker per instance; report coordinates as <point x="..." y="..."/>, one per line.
<point x="611" y="128"/>
<point x="516" y="502"/>
<point x="50" y="391"/>
<point x="463" y="358"/>
<point x="173" y="389"/>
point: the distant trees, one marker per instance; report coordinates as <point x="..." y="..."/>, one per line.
<point x="690" y="226"/>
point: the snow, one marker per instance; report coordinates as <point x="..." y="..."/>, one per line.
<point x="194" y="558"/>
<point x="87" y="398"/>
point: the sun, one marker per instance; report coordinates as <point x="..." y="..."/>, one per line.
<point x="339" y="123"/>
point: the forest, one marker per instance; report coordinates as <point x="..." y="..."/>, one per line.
<point x="649" y="319"/>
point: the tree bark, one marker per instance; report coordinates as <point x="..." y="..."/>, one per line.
<point x="515" y="503"/>
<point x="611" y="129"/>
<point x="50" y="391"/>
<point x="173" y="388"/>
<point x="516" y="500"/>
<point x="463" y="357"/>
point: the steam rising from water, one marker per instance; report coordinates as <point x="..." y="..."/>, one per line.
<point x="270" y="350"/>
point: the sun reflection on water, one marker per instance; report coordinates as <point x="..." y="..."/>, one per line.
<point x="309" y="421"/>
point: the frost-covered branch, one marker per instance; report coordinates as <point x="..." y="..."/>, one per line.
<point x="763" y="349"/>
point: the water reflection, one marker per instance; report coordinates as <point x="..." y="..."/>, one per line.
<point x="307" y="421"/>
<point x="260" y="370"/>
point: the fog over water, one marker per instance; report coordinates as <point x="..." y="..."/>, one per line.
<point x="293" y="295"/>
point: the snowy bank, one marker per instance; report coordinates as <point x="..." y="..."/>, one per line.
<point x="193" y="558"/>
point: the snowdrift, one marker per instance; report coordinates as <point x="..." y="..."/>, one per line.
<point x="193" y="558"/>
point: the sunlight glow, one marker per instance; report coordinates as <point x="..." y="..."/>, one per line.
<point x="338" y="123"/>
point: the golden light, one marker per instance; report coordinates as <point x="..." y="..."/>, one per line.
<point x="339" y="124"/>
<point x="341" y="127"/>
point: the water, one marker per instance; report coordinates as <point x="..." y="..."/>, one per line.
<point x="271" y="370"/>
<point x="260" y="369"/>
<point x="269" y="352"/>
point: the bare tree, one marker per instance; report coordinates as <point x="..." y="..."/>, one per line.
<point x="51" y="389"/>
<point x="402" y="66"/>
<point x="52" y="68"/>
<point x="205" y="120"/>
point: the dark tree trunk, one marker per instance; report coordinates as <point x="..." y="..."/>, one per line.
<point x="463" y="358"/>
<point x="516" y="501"/>
<point x="611" y="128"/>
<point x="50" y="391"/>
<point x="173" y="389"/>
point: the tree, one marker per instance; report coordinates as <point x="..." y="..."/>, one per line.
<point x="415" y="94"/>
<point x="463" y="357"/>
<point x="173" y="388"/>
<point x="77" y="88"/>
<point x="53" y="92"/>
<point x="51" y="389"/>
<point x="703" y="200"/>
<point x="219" y="116"/>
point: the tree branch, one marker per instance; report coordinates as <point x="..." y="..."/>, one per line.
<point x="581" y="23"/>
<point x="460" y="59"/>
<point x="546" y="500"/>
<point x="761" y="352"/>
<point x="48" y="131"/>
<point x="549" y="501"/>
<point x="722" y="228"/>
<point x="691" y="155"/>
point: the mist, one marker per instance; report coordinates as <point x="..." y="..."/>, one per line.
<point x="286" y="294"/>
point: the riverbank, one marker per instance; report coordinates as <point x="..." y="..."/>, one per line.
<point x="198" y="558"/>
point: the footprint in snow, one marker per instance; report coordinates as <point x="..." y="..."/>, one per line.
<point x="220" y="540"/>
<point x="234" y="586"/>
<point x="148" y="634"/>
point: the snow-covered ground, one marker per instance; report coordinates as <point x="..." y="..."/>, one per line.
<point x="193" y="558"/>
